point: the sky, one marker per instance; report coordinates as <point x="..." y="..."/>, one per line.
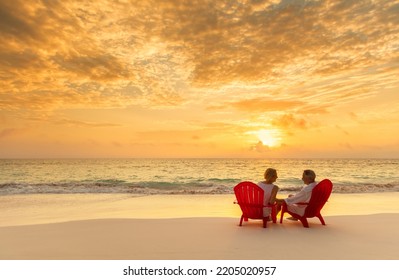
<point x="199" y="78"/>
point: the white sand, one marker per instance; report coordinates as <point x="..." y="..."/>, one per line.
<point x="98" y="226"/>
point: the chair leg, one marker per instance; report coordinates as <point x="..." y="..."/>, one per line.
<point x="304" y="222"/>
<point x="321" y="219"/>
<point x="242" y="217"/>
<point x="283" y="210"/>
<point x="264" y="222"/>
<point x="274" y="214"/>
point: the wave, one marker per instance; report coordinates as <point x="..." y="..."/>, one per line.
<point x="356" y="188"/>
<point x="152" y="188"/>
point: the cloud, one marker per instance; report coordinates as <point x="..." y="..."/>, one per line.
<point x="353" y="116"/>
<point x="290" y="121"/>
<point x="342" y="130"/>
<point x="8" y="132"/>
<point x="12" y="22"/>
<point x="285" y="56"/>
<point x="346" y="146"/>
<point x="265" y="105"/>
<point x="239" y="41"/>
<point x="101" y="67"/>
<point x="260" y="148"/>
<point x="78" y="123"/>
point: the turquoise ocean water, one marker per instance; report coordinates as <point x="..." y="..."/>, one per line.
<point x="188" y="176"/>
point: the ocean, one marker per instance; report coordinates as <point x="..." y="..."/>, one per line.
<point x="188" y="176"/>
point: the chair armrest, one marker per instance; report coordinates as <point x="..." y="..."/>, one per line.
<point x="270" y="205"/>
<point x="249" y="204"/>
<point x="302" y="203"/>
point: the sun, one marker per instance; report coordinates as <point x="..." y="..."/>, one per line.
<point x="269" y="137"/>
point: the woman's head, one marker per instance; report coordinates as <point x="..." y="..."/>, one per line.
<point x="270" y="175"/>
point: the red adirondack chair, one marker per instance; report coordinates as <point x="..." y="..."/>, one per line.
<point x="250" y="198"/>
<point x="320" y="194"/>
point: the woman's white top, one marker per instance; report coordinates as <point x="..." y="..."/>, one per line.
<point x="267" y="189"/>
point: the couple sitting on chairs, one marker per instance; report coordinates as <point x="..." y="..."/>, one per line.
<point x="306" y="203"/>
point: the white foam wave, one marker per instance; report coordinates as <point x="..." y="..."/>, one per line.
<point x="152" y="188"/>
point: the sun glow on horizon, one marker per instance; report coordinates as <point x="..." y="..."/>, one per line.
<point x="269" y="137"/>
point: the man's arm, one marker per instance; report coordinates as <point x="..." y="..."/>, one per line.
<point x="298" y="197"/>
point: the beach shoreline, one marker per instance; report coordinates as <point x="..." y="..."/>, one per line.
<point x="111" y="227"/>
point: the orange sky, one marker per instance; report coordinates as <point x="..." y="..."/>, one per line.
<point x="240" y="78"/>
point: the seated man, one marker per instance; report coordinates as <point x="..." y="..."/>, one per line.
<point x="303" y="195"/>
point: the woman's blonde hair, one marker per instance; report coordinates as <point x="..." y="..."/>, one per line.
<point x="270" y="172"/>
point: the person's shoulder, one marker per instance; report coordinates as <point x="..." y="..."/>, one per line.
<point x="264" y="184"/>
<point x="307" y="187"/>
<point x="310" y="186"/>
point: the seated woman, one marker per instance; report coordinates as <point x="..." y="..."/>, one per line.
<point x="270" y="190"/>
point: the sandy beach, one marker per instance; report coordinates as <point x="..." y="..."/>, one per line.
<point x="121" y="226"/>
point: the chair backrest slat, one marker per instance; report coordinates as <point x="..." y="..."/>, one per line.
<point x="320" y="195"/>
<point x="250" y="198"/>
